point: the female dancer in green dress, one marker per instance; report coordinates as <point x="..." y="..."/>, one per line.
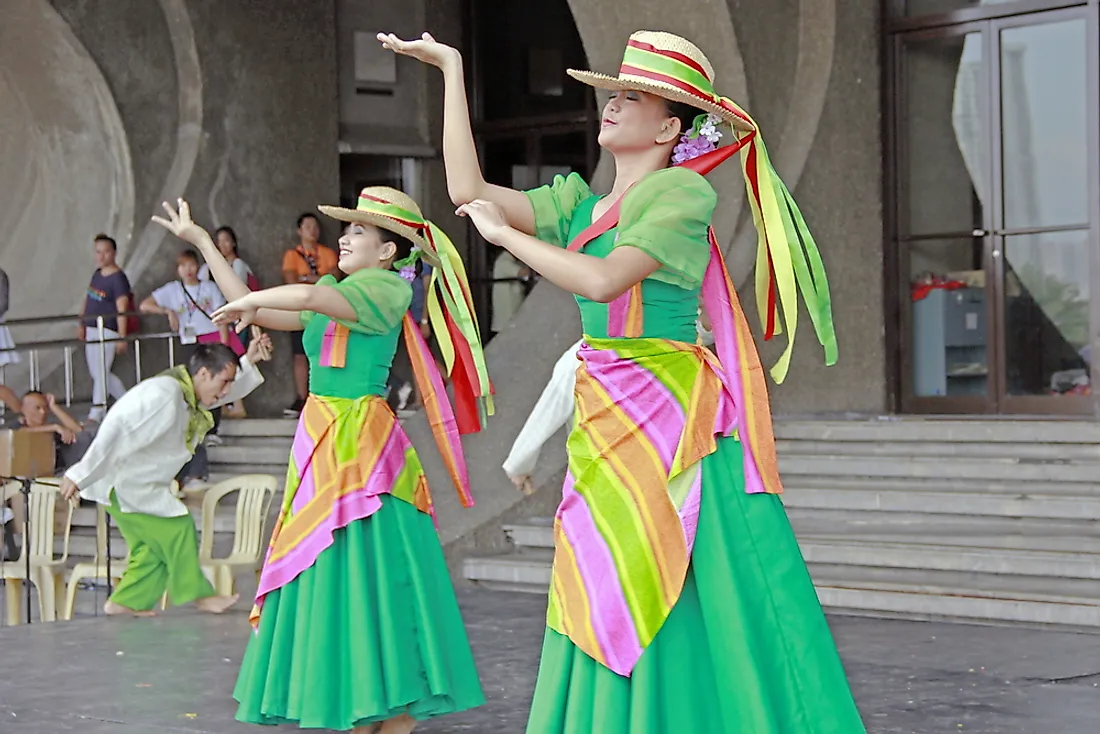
<point x="356" y="622"/>
<point x="679" y="599"/>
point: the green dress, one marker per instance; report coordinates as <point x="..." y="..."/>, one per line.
<point x="371" y="628"/>
<point x="746" y="647"/>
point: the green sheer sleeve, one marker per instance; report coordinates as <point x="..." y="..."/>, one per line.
<point x="554" y="206"/>
<point x="666" y="215"/>
<point x="379" y="298"/>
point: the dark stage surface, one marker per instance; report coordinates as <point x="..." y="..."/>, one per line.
<point x="176" y="674"/>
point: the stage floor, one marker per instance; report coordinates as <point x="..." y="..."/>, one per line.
<point x="176" y="673"/>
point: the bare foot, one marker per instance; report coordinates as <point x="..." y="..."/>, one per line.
<point x="403" y="724"/>
<point x="116" y="610"/>
<point x="216" y="604"/>
<point x="368" y="729"/>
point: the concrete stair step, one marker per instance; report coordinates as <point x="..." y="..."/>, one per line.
<point x="973" y="581"/>
<point x="794" y="483"/>
<point x="231" y="454"/>
<point x="916" y="469"/>
<point x="818" y="521"/>
<point x="527" y="571"/>
<point x="930" y="602"/>
<point x="1059" y="452"/>
<point x="1042" y="543"/>
<point x="1001" y="548"/>
<point x="930" y="428"/>
<point x="531" y="535"/>
<point x="258" y="441"/>
<point x="220" y="471"/>
<point x="82" y="546"/>
<point x="973" y="560"/>
<point x="258" y="427"/>
<point x="946" y="503"/>
<point x="910" y="598"/>
<point x="899" y="597"/>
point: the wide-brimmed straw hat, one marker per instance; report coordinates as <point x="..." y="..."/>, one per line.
<point x="391" y="210"/>
<point x="671" y="67"/>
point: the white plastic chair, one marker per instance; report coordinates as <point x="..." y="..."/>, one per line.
<point x="249" y="536"/>
<point x="47" y="570"/>
<point x="97" y="568"/>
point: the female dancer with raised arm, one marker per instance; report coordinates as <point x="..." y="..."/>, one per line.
<point x="357" y="626"/>
<point x="679" y="599"/>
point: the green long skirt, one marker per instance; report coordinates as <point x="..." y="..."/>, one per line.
<point x="370" y="631"/>
<point x="745" y="650"/>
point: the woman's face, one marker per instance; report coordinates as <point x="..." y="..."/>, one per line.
<point x="187" y="269"/>
<point x="364" y="246"/>
<point x="226" y="246"/>
<point x="635" y="120"/>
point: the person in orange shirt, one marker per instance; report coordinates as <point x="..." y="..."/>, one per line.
<point x="305" y="263"/>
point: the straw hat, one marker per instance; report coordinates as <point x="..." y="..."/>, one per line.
<point x="671" y="67"/>
<point x="391" y="210"/>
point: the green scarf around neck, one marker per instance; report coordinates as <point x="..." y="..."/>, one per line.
<point x="199" y="420"/>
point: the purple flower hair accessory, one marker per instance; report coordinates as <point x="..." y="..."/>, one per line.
<point x="703" y="137"/>
<point x="408" y="272"/>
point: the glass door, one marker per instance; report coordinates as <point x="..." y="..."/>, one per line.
<point x="1042" y="238"/>
<point x="943" y="142"/>
<point x="995" y="150"/>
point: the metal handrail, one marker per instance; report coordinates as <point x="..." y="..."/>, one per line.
<point x="33" y="350"/>
<point x="60" y="319"/>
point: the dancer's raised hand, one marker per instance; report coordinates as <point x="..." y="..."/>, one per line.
<point x="487" y="216"/>
<point x="181" y="225"/>
<point x="241" y="312"/>
<point x="426" y="49"/>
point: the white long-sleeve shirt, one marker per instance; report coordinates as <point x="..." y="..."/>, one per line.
<point x="141" y="445"/>
<point x="554" y="409"/>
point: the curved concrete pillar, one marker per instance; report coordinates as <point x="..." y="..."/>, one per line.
<point x="64" y="160"/>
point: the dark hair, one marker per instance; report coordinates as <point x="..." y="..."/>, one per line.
<point x="404" y="244"/>
<point x="683" y="112"/>
<point x="106" y="238"/>
<point x="188" y="254"/>
<point x="212" y="357"/>
<point x="302" y="218"/>
<point x="34" y="393"/>
<point x="232" y="235"/>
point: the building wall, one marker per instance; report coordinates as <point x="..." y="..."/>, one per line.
<point x="408" y="123"/>
<point x="231" y="105"/>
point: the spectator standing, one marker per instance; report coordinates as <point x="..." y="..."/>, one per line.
<point x="108" y="295"/>
<point x="305" y="263"/>
<point x="226" y="240"/>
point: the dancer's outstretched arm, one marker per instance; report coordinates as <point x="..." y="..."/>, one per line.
<point x="283" y="301"/>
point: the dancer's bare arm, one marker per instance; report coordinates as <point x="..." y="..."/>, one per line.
<point x="465" y="181"/>
<point x="276" y="304"/>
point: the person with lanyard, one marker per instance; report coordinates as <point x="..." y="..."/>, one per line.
<point x="356" y="622"/>
<point x="679" y="599"/>
<point x="141" y="445"/>
<point x="307" y="262"/>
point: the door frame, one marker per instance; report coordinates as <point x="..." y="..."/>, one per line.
<point x="989" y="21"/>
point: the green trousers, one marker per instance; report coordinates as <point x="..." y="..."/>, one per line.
<point x="164" y="555"/>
